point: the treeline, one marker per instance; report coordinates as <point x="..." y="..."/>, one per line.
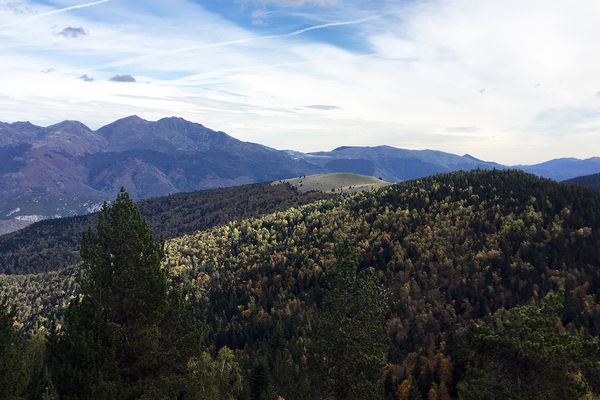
<point x="479" y="285"/>
<point x="53" y="244"/>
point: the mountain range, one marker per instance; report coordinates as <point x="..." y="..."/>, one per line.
<point x="69" y="169"/>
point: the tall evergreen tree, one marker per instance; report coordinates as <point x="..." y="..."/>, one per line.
<point x="261" y="382"/>
<point x="126" y="336"/>
<point x="13" y="369"/>
<point x="350" y="340"/>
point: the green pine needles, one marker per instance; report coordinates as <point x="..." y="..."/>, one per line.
<point x="128" y="335"/>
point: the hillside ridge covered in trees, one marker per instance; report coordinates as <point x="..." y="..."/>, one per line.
<point x="589" y="181"/>
<point x="53" y="244"/>
<point x="486" y="276"/>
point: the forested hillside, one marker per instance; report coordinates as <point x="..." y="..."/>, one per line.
<point x="449" y="250"/>
<point x="53" y="244"/>
<point x="484" y="284"/>
<point x="590" y="181"/>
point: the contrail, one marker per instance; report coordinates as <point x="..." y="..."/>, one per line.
<point x="195" y="77"/>
<point x="190" y="79"/>
<point x="298" y="32"/>
<point x="58" y="11"/>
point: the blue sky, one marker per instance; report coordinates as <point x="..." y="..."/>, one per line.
<point x="511" y="81"/>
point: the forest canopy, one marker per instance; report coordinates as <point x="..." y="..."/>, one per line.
<point x="468" y="264"/>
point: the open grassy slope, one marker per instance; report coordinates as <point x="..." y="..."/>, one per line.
<point x="335" y="182"/>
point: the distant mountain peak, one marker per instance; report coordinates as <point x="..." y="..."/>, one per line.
<point x="133" y="117"/>
<point x="135" y="121"/>
<point x="376" y="148"/>
<point x="472" y="158"/>
<point x="23" y="124"/>
<point x="131" y="120"/>
<point x="178" y="123"/>
<point x="69" y="124"/>
<point x="341" y="148"/>
<point x="177" y="119"/>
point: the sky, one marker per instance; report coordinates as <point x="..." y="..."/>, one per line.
<point x="513" y="81"/>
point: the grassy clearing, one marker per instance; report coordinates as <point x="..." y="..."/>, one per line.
<point x="336" y="182"/>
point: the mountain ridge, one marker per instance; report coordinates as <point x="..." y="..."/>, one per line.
<point x="590" y="181"/>
<point x="68" y="169"/>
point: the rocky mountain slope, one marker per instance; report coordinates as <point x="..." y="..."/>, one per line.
<point x="68" y="169"/>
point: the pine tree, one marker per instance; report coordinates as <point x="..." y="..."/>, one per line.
<point x="14" y="376"/>
<point x="261" y="382"/>
<point x="127" y="335"/>
<point x="40" y="383"/>
<point x="527" y="353"/>
<point x="350" y="339"/>
<point x="220" y="379"/>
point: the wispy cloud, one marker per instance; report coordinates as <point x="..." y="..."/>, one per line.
<point x="298" y="3"/>
<point x="234" y="42"/>
<point x="261" y="67"/>
<point x="53" y="12"/>
<point x="259" y="16"/>
<point x="414" y="82"/>
<point x="462" y="129"/>
<point x="322" y="107"/>
<point x="569" y="120"/>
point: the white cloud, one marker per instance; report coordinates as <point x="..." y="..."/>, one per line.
<point x="27" y="20"/>
<point x="419" y="87"/>
<point x="296" y="3"/>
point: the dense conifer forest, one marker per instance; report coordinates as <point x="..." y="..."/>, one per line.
<point x="479" y="285"/>
<point x="52" y="244"/>
<point x="590" y="181"/>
